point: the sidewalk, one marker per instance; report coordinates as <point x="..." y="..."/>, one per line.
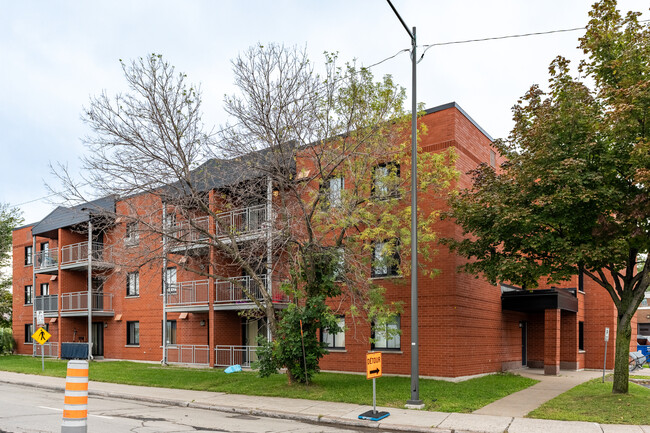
<point x="342" y="413"/>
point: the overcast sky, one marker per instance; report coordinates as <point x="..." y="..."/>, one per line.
<point x="55" y="54"/>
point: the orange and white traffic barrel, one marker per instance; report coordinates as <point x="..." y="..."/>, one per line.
<point x="75" y="405"/>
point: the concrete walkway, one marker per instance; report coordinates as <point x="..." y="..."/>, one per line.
<point x="343" y="414"/>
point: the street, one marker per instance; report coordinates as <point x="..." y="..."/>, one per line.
<point x="27" y="409"/>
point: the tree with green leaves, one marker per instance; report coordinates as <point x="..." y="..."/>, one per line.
<point x="573" y="193"/>
<point x="9" y="219"/>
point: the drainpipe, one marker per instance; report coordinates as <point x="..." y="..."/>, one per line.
<point x="34" y="290"/>
<point x="90" y="287"/>
<point x="164" y="284"/>
<point x="269" y="247"/>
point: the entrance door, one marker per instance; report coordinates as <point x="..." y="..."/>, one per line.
<point x="98" y="339"/>
<point x="524" y="341"/>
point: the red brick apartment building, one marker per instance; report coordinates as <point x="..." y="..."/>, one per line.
<point x="63" y="266"/>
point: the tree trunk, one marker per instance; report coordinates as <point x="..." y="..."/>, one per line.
<point x="621" y="369"/>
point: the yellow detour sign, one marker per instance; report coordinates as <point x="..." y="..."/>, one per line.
<point x="373" y="365"/>
<point x="41" y="336"/>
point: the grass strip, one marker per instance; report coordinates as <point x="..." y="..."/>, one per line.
<point x="392" y="391"/>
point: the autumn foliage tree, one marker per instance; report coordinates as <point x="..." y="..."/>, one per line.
<point x="573" y="193"/>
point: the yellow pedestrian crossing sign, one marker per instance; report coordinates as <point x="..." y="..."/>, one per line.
<point x="41" y="336"/>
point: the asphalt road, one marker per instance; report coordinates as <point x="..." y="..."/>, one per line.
<point x="28" y="409"/>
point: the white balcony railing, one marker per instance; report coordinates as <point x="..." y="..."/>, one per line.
<point x="188" y="354"/>
<point x="78" y="301"/>
<point x="231" y="355"/>
<point x="46" y="303"/>
<point x="242" y="222"/>
<point x="183" y="232"/>
<point x="228" y="292"/>
<point x="49" y="349"/>
<point x="78" y="253"/>
<point x="188" y="293"/>
<point x="47" y="259"/>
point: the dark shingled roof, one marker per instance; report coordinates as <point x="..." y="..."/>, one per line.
<point x="68" y="216"/>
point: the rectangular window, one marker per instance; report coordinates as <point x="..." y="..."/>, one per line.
<point x="581" y="335"/>
<point x="170" y="280"/>
<point x="385" y="263"/>
<point x="385" y="180"/>
<point x="171" y="332"/>
<point x="339" y="265"/>
<point x="493" y="159"/>
<point x="29" y="330"/>
<point x="29" y="293"/>
<point x="132" y="333"/>
<point x="45" y="289"/>
<point x="388" y="336"/>
<point x="29" y="255"/>
<point x="334" y="191"/>
<point x="133" y="284"/>
<point x="335" y="340"/>
<point x="132" y="235"/>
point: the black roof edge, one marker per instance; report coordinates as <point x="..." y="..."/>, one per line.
<point x="453" y="104"/>
<point x="24" y="226"/>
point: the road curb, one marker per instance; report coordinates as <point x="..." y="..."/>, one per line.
<point x="293" y="416"/>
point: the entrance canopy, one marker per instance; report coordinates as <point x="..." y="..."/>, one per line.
<point x="526" y="301"/>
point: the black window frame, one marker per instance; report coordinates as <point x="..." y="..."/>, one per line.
<point x="48" y="289"/>
<point x="171" y="288"/>
<point x="29" y="330"/>
<point x="172" y="325"/>
<point x="392" y="269"/>
<point x="29" y="255"/>
<point x="373" y="346"/>
<point x="375" y="180"/>
<point x="137" y="284"/>
<point x="130" y="336"/>
<point x="29" y="294"/>
<point x="324" y="334"/>
<point x="581" y="335"/>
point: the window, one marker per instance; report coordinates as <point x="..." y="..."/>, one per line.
<point x="493" y="159"/>
<point x="387" y="336"/>
<point x="133" y="284"/>
<point x="132" y="333"/>
<point x="385" y="263"/>
<point x="29" y="330"/>
<point x="385" y="180"/>
<point x="334" y="191"/>
<point x="29" y="255"/>
<point x="339" y="265"/>
<point x="171" y="332"/>
<point x="29" y="293"/>
<point x="170" y="280"/>
<point x="581" y="335"/>
<point x="132" y="235"/>
<point x="45" y="289"/>
<point x="335" y="340"/>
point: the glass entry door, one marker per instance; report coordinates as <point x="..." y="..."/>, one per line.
<point x="98" y="339"/>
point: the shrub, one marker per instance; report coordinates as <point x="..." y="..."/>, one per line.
<point x="7" y="342"/>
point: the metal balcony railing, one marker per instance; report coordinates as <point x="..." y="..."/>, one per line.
<point x="78" y="253"/>
<point x="47" y="303"/>
<point x="228" y="292"/>
<point x="48" y="350"/>
<point x="242" y="222"/>
<point x="46" y="259"/>
<point x="188" y="354"/>
<point x="188" y="293"/>
<point x="183" y="232"/>
<point x="78" y="301"/>
<point x="231" y="355"/>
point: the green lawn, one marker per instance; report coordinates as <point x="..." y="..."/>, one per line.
<point x="593" y="401"/>
<point x="391" y="391"/>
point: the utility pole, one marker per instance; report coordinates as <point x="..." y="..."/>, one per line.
<point x="414" y="401"/>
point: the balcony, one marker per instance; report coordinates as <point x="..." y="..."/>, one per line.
<point x="47" y="350"/>
<point x="189" y="234"/>
<point x="231" y="355"/>
<point x="76" y="304"/>
<point x="76" y="255"/>
<point x="47" y="262"/>
<point x="188" y="296"/>
<point x="49" y="304"/>
<point x="230" y="296"/>
<point x="188" y="354"/>
<point x="244" y="224"/>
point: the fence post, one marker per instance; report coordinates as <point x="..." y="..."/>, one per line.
<point x="75" y="407"/>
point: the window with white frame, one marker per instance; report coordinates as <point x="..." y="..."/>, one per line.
<point x="132" y="235"/>
<point x="335" y="188"/>
<point x="335" y="340"/>
<point x="385" y="259"/>
<point x="387" y="336"/>
<point x="133" y="284"/>
<point x="339" y="264"/>
<point x="385" y="180"/>
<point x="170" y="279"/>
<point x="132" y="333"/>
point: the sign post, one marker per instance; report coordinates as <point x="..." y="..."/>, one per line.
<point x="41" y="336"/>
<point x="373" y="371"/>
<point x="605" y="357"/>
